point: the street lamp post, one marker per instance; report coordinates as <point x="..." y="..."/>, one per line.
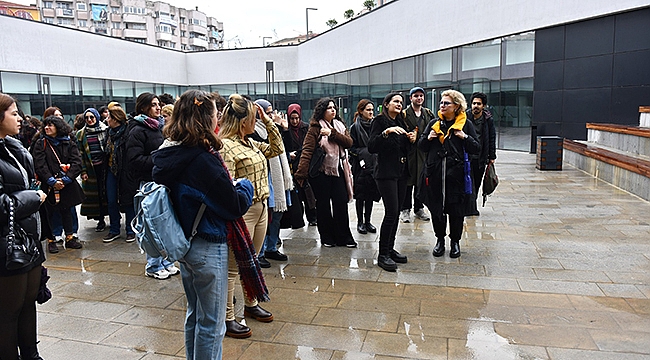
<point x="307" y="18"/>
<point x="264" y="38"/>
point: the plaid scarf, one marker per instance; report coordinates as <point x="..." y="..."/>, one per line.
<point x="241" y="244"/>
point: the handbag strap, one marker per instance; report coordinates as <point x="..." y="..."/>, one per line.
<point x="197" y="219"/>
<point x="11" y="237"/>
<point x="54" y="151"/>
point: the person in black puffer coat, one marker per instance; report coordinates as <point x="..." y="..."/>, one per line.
<point x="442" y="184"/>
<point x="19" y="287"/>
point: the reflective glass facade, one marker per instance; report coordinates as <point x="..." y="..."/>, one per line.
<point x="502" y="68"/>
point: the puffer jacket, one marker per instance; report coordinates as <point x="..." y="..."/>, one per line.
<point x="26" y="202"/>
<point x="141" y="141"/>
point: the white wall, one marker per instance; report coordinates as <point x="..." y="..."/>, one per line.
<point x="399" y="29"/>
<point x="32" y="47"/>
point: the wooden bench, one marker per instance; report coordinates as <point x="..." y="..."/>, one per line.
<point x="636" y="165"/>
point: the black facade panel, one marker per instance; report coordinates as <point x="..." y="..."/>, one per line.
<point x="547" y="107"/>
<point x="626" y="102"/>
<point x="588" y="72"/>
<point x="586" y="105"/>
<point x="589" y="38"/>
<point x="632" y="68"/>
<point x="574" y="131"/>
<point x="549" y="44"/>
<point x="632" y="31"/>
<point x="549" y="75"/>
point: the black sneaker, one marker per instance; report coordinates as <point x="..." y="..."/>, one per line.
<point x="386" y="263"/>
<point x="52" y="248"/>
<point x="101" y="226"/>
<point x="263" y="262"/>
<point x="110" y="237"/>
<point x="351" y="243"/>
<point x="275" y="255"/>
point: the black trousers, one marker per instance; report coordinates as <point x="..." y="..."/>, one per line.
<point x="455" y="227"/>
<point x="332" y="209"/>
<point x="406" y="204"/>
<point x="362" y="205"/>
<point x="478" y="169"/>
<point x="18" y="314"/>
<point x="392" y="194"/>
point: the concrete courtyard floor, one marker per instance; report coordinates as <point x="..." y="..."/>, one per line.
<point x="557" y="266"/>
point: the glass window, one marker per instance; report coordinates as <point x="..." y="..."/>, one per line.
<point x="60" y="85"/>
<point x="122" y="88"/>
<point x="171" y="90"/>
<point x="225" y="90"/>
<point x="143" y="87"/>
<point x="16" y="83"/>
<point x="292" y="87"/>
<point x="404" y="71"/>
<point x="92" y="87"/>
<point x="438" y="63"/>
<point x="481" y="55"/>
<point x="359" y="77"/>
<point x="520" y="48"/>
<point x="380" y="74"/>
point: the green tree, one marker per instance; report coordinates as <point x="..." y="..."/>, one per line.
<point x="331" y="23"/>
<point x="369" y="4"/>
<point x="348" y="14"/>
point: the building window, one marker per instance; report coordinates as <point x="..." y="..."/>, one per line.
<point x="48" y="20"/>
<point x="481" y="55"/>
<point x="115" y="9"/>
<point x="182" y="20"/>
<point x="142" y="41"/>
<point x="164" y="29"/>
<point x="117" y="25"/>
<point x="61" y="5"/>
<point x="134" y="26"/>
<point x="82" y="23"/>
<point x="133" y="10"/>
<point x="183" y="33"/>
<point x="64" y="21"/>
<point x="520" y="48"/>
<point x="48" y="4"/>
<point x="198" y="22"/>
<point x="100" y="25"/>
<point x="81" y="6"/>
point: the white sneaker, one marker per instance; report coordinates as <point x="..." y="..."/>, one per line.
<point x="405" y="216"/>
<point x="173" y="270"/>
<point x="422" y="215"/>
<point x="160" y="275"/>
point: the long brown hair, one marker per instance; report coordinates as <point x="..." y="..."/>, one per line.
<point x="360" y="107"/>
<point x="191" y="122"/>
<point x="5" y="103"/>
<point x="50" y="111"/>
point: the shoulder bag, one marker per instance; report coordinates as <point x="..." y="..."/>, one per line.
<point x="21" y="248"/>
<point x="316" y="162"/>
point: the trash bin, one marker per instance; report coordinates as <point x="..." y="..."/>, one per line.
<point x="549" y="153"/>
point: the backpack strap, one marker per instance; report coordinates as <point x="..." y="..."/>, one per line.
<point x="197" y="219"/>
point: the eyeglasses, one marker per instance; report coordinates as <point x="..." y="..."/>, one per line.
<point x="446" y="103"/>
<point x="89" y="117"/>
<point x="269" y="113"/>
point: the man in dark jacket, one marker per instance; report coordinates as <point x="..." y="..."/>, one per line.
<point x="486" y="135"/>
<point x="416" y="117"/>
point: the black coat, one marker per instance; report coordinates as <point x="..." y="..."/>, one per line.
<point x="124" y="195"/>
<point x="47" y="165"/>
<point x="391" y="150"/>
<point x="294" y="143"/>
<point x="363" y="163"/>
<point x="26" y="202"/>
<point x="431" y="181"/>
<point x="415" y="158"/>
<point x="487" y="140"/>
<point x="141" y="141"/>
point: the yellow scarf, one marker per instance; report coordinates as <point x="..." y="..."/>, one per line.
<point x="457" y="125"/>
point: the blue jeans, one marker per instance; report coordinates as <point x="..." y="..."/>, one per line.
<point x="155" y="264"/>
<point x="57" y="223"/>
<point x="114" y="209"/>
<point x="272" y="234"/>
<point x="204" y="271"/>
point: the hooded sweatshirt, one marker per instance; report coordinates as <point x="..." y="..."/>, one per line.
<point x="195" y="176"/>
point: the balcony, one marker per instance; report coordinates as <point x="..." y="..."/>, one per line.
<point x="134" y="18"/>
<point x="116" y="17"/>
<point x="198" y="42"/>
<point x="132" y="33"/>
<point x="116" y="3"/>
<point x="67" y="13"/>
<point x="82" y="15"/>
<point x="48" y="12"/>
<point x="197" y="29"/>
<point x="117" y="33"/>
<point x="100" y="2"/>
<point x="163" y="36"/>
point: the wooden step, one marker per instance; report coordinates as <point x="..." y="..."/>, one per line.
<point x="637" y="165"/>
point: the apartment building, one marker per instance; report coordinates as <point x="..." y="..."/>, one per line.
<point x="155" y="23"/>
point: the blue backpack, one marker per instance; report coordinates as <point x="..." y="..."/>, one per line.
<point x="156" y="226"/>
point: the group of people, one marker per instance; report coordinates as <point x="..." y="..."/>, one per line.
<point x="254" y="170"/>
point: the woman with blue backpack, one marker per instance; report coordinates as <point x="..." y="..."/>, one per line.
<point x="189" y="164"/>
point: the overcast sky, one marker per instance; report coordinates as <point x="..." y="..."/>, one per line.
<point x="250" y="20"/>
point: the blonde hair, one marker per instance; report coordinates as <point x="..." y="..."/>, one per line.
<point x="167" y="110"/>
<point x="237" y="110"/>
<point x="458" y="98"/>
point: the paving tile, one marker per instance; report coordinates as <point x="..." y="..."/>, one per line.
<point x="527" y="299"/>
<point x="366" y="287"/>
<point x="560" y="336"/>
<point x="480" y="349"/>
<point x="404" y="345"/>
<point x="296" y="282"/>
<point x="622" y="341"/>
<point x="77" y="350"/>
<point x="357" y="319"/>
<point x="632" y="322"/>
<point x="640" y="306"/>
<point x="137" y="297"/>
<point x="87" y="291"/>
<point x="395" y="305"/>
<point x="368" y="274"/>
<point x="269" y="351"/>
<point x="153" y="317"/>
<point x="562" y="287"/>
<point x="622" y="290"/>
<point x="410" y="277"/>
<point x="321" y="337"/>
<point x="574" y="354"/>
<point x="306" y="297"/>
<point x="435" y="326"/>
<point x="599" y="303"/>
<point x="147" y="339"/>
<point x="571" y="275"/>
<point x="568" y="317"/>
<point x="68" y="327"/>
<point x="98" y="310"/>
<point x="444" y="293"/>
<point x="482" y="282"/>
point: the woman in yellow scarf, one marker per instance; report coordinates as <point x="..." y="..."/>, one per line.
<point x="443" y="186"/>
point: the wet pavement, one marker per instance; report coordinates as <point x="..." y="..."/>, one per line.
<point x="557" y="266"/>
